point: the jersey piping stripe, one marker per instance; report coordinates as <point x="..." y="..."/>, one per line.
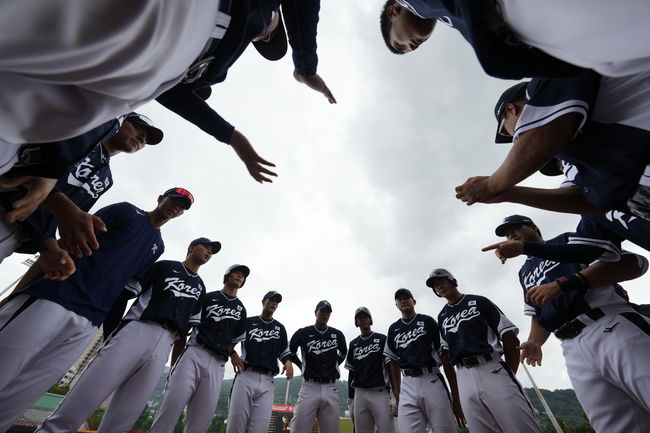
<point x="516" y="382"/>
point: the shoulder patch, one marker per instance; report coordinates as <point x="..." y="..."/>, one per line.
<point x="420" y="323"/>
<point x="471" y="302"/>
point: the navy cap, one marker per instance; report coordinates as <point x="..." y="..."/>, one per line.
<point x="324" y="305"/>
<point x="362" y="310"/>
<point x="272" y="294"/>
<point x="513" y="94"/>
<point x="401" y="292"/>
<point x="182" y="193"/>
<point x="276" y="47"/>
<point x="512" y="220"/>
<point x="154" y="135"/>
<point x="216" y="245"/>
<point x="241" y="268"/>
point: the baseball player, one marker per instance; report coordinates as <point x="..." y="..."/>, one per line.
<point x="251" y="397"/>
<point x="48" y="323"/>
<point x="260" y="23"/>
<point x="595" y="324"/>
<point x="323" y="348"/>
<point x="196" y="376"/>
<point x="413" y="346"/>
<point x="477" y="334"/>
<point x="369" y="378"/>
<point x="75" y="192"/>
<point x="131" y="362"/>
<point x="580" y="121"/>
<point x="512" y="41"/>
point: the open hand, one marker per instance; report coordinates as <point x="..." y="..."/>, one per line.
<point x="254" y="163"/>
<point x="531" y="353"/>
<point x="77" y="232"/>
<point x="316" y="82"/>
<point x="38" y="188"/>
<point x="476" y="190"/>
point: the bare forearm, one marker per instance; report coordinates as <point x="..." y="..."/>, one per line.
<point x="565" y="200"/>
<point x="395" y="378"/>
<point x="510" y="351"/>
<point x="538" y="334"/>
<point x="605" y="273"/>
<point x="57" y="203"/>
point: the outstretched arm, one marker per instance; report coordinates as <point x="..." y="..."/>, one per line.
<point x="531" y="350"/>
<point x="530" y="151"/>
<point x="565" y="200"/>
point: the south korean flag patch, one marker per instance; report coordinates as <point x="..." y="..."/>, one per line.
<point x="470" y="303"/>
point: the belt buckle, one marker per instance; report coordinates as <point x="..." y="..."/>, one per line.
<point x="469" y="361"/>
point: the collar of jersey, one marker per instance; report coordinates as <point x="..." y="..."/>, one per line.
<point x="367" y="336"/>
<point x="227" y="297"/>
<point x="323" y="331"/>
<point x="267" y="322"/>
<point x="409" y="322"/>
<point x="457" y="302"/>
<point x="188" y="272"/>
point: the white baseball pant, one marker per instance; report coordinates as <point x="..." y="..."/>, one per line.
<point x="130" y="364"/>
<point x="371" y="408"/>
<point x="38" y="344"/>
<point x="251" y="403"/>
<point x="607" y="365"/>
<point x="316" y="400"/>
<point x="493" y="400"/>
<point x="8" y="236"/>
<point x="195" y="381"/>
<point x="425" y="400"/>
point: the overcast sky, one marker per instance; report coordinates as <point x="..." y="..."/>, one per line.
<point x="364" y="202"/>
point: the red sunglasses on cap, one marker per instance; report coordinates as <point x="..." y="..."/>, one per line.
<point x="180" y="193"/>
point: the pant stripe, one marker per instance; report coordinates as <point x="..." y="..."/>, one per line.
<point x="506" y="367"/>
<point x="29" y="301"/>
<point x="638" y="320"/>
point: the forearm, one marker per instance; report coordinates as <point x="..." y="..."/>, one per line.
<point x="450" y="373"/>
<point x="395" y="378"/>
<point x="510" y="351"/>
<point x="301" y="19"/>
<point x="532" y="149"/>
<point x="564" y="200"/>
<point x="605" y="273"/>
<point x="538" y="334"/>
<point x="571" y="253"/>
<point x="177" y="349"/>
<point x="58" y="204"/>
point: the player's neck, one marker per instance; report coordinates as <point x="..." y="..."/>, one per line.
<point x="408" y="315"/>
<point x="366" y="331"/>
<point x="266" y="315"/>
<point x="230" y="290"/>
<point x="320" y="326"/>
<point x="453" y="298"/>
<point x="156" y="219"/>
<point x="191" y="265"/>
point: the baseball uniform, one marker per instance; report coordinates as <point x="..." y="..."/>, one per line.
<point x="195" y="379"/>
<point x="369" y="378"/>
<point x="492" y="398"/>
<point x="131" y="362"/>
<point x="45" y="328"/>
<point x="610" y="151"/>
<point x="322" y="351"/>
<point x="251" y="397"/>
<point x="424" y="398"/>
<point x="515" y="40"/>
<point x="597" y="330"/>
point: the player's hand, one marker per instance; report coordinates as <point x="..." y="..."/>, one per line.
<point x="476" y="190"/>
<point x="238" y="364"/>
<point x="38" y="188"/>
<point x="506" y="250"/>
<point x="393" y="404"/>
<point x="351" y="408"/>
<point x="531" y="353"/>
<point x="254" y="163"/>
<point x="77" y="230"/>
<point x="56" y="264"/>
<point x="315" y="82"/>
<point x="542" y="295"/>
<point x="458" y="414"/>
<point x="288" y="369"/>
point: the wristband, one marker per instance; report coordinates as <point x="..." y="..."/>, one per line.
<point x="573" y="282"/>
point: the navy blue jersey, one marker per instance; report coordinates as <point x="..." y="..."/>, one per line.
<point x="536" y="271"/>
<point x="367" y="362"/>
<point x="249" y="18"/>
<point x="496" y="47"/>
<point x="170" y="294"/>
<point x="414" y="343"/>
<point x="473" y="326"/>
<point x="322" y="351"/>
<point x="266" y="342"/>
<point x="624" y="226"/>
<point x="605" y="159"/>
<point x="223" y="322"/>
<point x="127" y="249"/>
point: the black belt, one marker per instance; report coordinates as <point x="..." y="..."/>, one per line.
<point x="573" y="328"/>
<point x="260" y="370"/>
<point x="418" y="371"/>
<point x="471" y="361"/>
<point x="320" y="379"/>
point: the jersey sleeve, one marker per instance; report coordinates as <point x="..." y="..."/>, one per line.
<point x="390" y="349"/>
<point x="548" y="99"/>
<point x="434" y="330"/>
<point x="495" y="318"/>
<point x="136" y="285"/>
<point x="349" y="359"/>
<point x="641" y="261"/>
<point x="343" y="348"/>
<point x="301" y="19"/>
<point x="195" y="318"/>
<point x="285" y="354"/>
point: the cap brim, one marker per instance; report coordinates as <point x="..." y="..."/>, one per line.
<point x="430" y="281"/>
<point x="502" y="139"/>
<point x="216" y="247"/>
<point x="276" y="48"/>
<point x="242" y="268"/>
<point x="501" y="230"/>
<point x="154" y="135"/>
<point x="551" y="168"/>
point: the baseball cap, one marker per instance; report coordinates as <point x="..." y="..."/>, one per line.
<point x="323" y="305"/>
<point x="216" y="245"/>
<point x="512" y="220"/>
<point x="402" y="292"/>
<point x="182" y="193"/>
<point x="276" y="47"/>
<point x="154" y="135"/>
<point x="514" y="93"/>
<point x="360" y="311"/>
<point x="272" y="294"/>
<point x="241" y="268"/>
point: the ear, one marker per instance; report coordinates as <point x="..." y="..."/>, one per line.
<point x="160" y="198"/>
<point x="393" y="11"/>
<point x="414" y="302"/>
